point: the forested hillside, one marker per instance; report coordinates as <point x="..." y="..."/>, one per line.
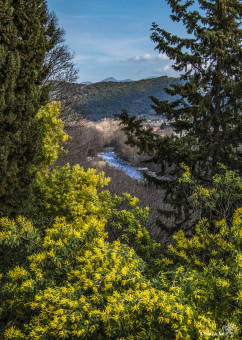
<point x="104" y="99"/>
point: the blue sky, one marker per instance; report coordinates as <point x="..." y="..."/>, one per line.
<point x="112" y="37"/>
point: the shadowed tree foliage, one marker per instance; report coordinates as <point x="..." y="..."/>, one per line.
<point x="206" y="112"/>
<point x="26" y="35"/>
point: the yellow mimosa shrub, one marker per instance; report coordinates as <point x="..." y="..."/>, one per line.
<point x="61" y="278"/>
<point x="64" y="279"/>
<point x="65" y="191"/>
<point x="124" y="224"/>
<point x="74" y="194"/>
<point x="209" y="270"/>
<point x="219" y="199"/>
<point x="53" y="135"/>
<point x="68" y="282"/>
<point x="70" y="193"/>
<point x="207" y="266"/>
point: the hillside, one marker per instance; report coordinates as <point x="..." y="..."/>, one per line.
<point x="104" y="99"/>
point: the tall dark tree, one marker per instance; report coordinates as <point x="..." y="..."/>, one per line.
<point x="26" y="35"/>
<point x="206" y="111"/>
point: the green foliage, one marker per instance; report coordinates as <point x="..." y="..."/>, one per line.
<point x="53" y="135"/>
<point x="65" y="192"/>
<point x="217" y="201"/>
<point x="62" y="278"/>
<point x="208" y="265"/>
<point x="124" y="223"/>
<point x="207" y="114"/>
<point x="208" y="270"/>
<point x="75" y="285"/>
<point x="25" y="36"/>
<point x="206" y="110"/>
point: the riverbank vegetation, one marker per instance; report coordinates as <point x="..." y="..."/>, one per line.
<point x="82" y="255"/>
<point x="89" y="139"/>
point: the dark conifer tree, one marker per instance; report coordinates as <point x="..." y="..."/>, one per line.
<point x="25" y="37"/>
<point x="206" y="111"/>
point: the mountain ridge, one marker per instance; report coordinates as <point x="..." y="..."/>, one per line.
<point x="115" y="80"/>
<point x="105" y="99"/>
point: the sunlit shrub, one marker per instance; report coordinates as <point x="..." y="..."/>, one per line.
<point x="61" y="278"/>
<point x="65" y="280"/>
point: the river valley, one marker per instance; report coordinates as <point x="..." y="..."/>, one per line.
<point x="113" y="160"/>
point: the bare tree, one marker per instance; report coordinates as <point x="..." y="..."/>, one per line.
<point x="86" y="142"/>
<point x="62" y="71"/>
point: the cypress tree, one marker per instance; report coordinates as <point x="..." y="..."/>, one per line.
<point x="26" y="35"/>
<point x="206" y="111"/>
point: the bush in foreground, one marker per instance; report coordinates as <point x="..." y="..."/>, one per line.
<point x="63" y="279"/>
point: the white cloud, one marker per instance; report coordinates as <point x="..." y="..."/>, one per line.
<point x="150" y="57"/>
<point x="162" y="69"/>
<point x="165" y="70"/>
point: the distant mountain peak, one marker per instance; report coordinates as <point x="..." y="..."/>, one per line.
<point x="86" y="82"/>
<point x="126" y="80"/>
<point x="110" y="79"/>
<point x="115" y="80"/>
